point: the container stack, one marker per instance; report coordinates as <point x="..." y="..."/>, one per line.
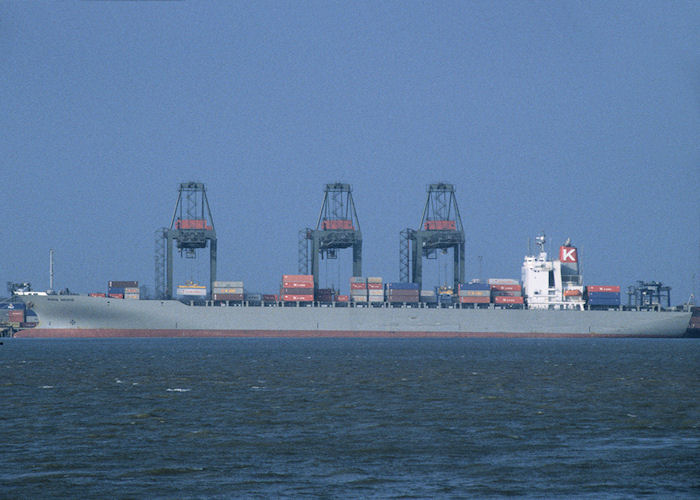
<point x="402" y="292"/>
<point x="358" y="289"/>
<point x="228" y="291"/>
<point x="506" y="292"/>
<point x="118" y="289"/>
<point x="375" y="290"/>
<point x="603" y="296"/>
<point x="132" y="292"/>
<point x="474" y="293"/>
<point x="297" y="288"/>
<point x="325" y="295"/>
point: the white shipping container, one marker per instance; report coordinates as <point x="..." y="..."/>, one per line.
<point x="227" y="284"/>
<point x="374" y="280"/>
<point x="228" y="290"/>
<point x="359" y="299"/>
<point x="195" y="292"/>
<point x="503" y="281"/>
<point x="132" y="296"/>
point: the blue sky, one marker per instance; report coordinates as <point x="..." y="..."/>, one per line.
<point x="579" y="119"/>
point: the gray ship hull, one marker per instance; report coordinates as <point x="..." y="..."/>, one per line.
<point x="83" y="316"/>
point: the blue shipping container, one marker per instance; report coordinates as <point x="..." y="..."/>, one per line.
<point x="474" y="286"/>
<point x="115" y="290"/>
<point x="402" y="286"/>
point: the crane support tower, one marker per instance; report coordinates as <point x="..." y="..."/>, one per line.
<point x="337" y="228"/>
<point x="440" y="229"/>
<point x="191" y="228"/>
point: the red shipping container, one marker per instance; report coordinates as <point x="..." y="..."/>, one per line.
<point x="358" y="286"/>
<point x="191" y="224"/>
<point x="298" y="298"/>
<point x="440" y="225"/>
<point x="16" y="316"/>
<point x="97" y="294"/>
<point x="375" y="286"/>
<point x="507" y="288"/>
<point x="116" y="295"/>
<point x="337" y="224"/>
<point x="297" y="284"/>
<point x="508" y="300"/>
<point x="306" y="278"/>
<point x="342" y="298"/>
<point x="474" y="300"/>
<point x="603" y="288"/>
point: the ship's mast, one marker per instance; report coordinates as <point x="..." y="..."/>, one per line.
<point x="51" y="269"/>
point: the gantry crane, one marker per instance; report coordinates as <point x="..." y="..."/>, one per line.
<point x="191" y="227"/>
<point x="337" y="228"/>
<point x="440" y="229"/>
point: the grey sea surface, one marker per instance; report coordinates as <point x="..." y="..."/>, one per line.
<point x="339" y="418"/>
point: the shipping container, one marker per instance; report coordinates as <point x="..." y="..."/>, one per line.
<point x="374" y="279"/>
<point x="116" y="295"/>
<point x="228" y="296"/>
<point x="474" y="286"/>
<point x="508" y="300"/>
<point x="192" y="224"/>
<point x="297" y="298"/>
<point x="358" y="279"/>
<point x="254" y="297"/>
<point x="269" y="297"/>
<point x="506" y="288"/>
<point x="235" y="289"/>
<point x="402" y="286"/>
<point x="123" y="284"/>
<point x="132" y="290"/>
<point x="603" y="288"/>
<point x="475" y="293"/>
<point x="97" y="294"/>
<point x="132" y="296"/>
<point x="359" y="298"/>
<point x="114" y="289"/>
<point x="15" y="315"/>
<point x="502" y="281"/>
<point x="336" y="224"/>
<point x="303" y="278"/>
<point x="375" y="286"/>
<point x="192" y="291"/>
<point x="298" y="291"/>
<point x="342" y="298"/>
<point x="358" y="286"/>
<point x="432" y="225"/>
<point x="474" y="300"/>
<point x="227" y="284"/>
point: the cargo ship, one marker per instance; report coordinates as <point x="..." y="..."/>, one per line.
<point x="548" y="301"/>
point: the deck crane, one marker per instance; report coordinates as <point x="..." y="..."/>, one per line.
<point x="337" y="228"/>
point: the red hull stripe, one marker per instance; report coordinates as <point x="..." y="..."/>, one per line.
<point x="120" y="333"/>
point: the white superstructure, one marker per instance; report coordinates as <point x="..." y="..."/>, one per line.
<point x="553" y="284"/>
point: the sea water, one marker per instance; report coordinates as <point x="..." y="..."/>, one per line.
<point x="422" y="418"/>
